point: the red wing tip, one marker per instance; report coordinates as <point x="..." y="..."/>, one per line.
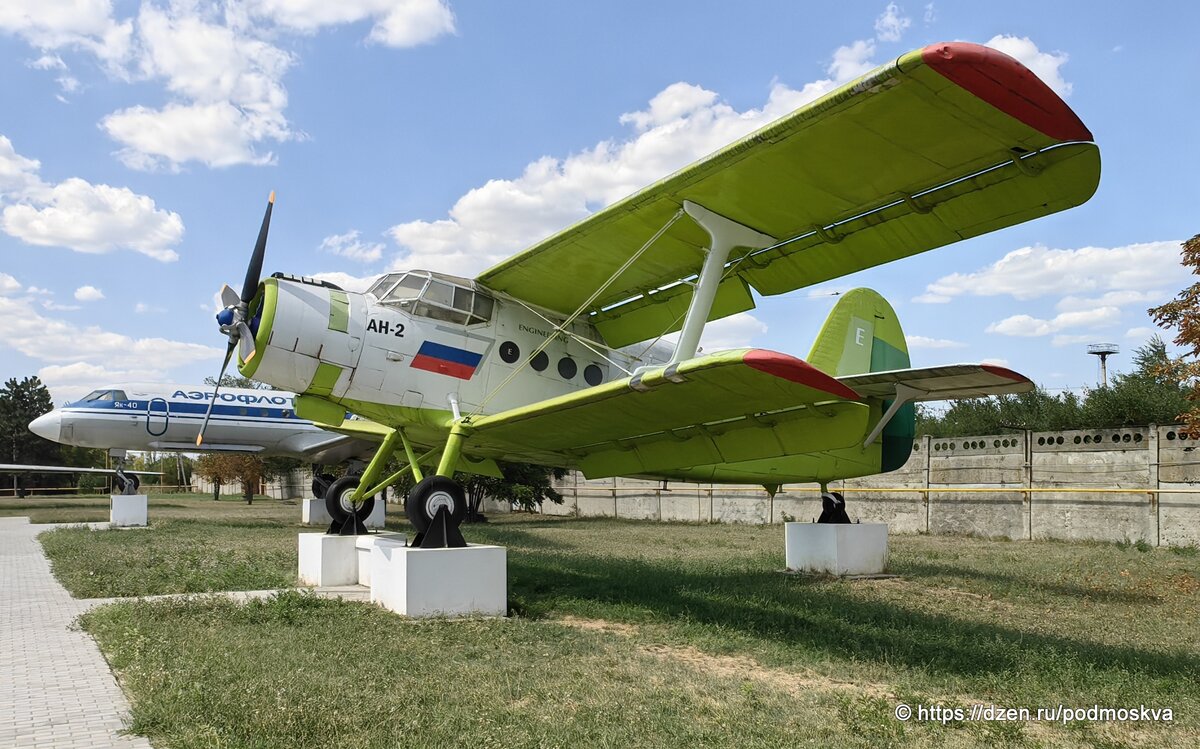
<point x="1007" y="85"/>
<point x="796" y="370"/>
<point x="1005" y="372"/>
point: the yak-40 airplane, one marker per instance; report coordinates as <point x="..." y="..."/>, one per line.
<point x="533" y="360"/>
<point x="165" y="417"/>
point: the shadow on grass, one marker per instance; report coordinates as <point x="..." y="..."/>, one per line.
<point x="819" y="617"/>
<point x="1105" y="595"/>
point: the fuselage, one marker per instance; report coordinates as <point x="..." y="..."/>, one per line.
<point x="168" y="417"/>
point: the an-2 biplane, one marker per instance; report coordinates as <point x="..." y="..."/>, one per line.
<point x="533" y="360"/>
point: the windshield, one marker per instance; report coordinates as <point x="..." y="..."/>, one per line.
<point x="436" y="296"/>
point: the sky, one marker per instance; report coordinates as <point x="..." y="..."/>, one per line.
<point x="139" y="142"/>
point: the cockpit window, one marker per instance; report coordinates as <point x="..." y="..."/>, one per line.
<point x="437" y="296"/>
<point x="105" y="395"/>
<point x="380" y="288"/>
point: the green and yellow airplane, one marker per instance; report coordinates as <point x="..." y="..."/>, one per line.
<point x="538" y="358"/>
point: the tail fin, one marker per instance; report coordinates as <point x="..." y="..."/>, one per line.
<point x="863" y="334"/>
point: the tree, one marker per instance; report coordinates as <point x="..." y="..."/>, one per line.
<point x="1155" y="392"/>
<point x="20" y="403"/>
<point x="237" y="381"/>
<point x="1183" y="316"/>
<point x="522" y="484"/>
<point x="224" y="468"/>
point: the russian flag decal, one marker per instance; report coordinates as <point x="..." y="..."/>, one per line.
<point x="447" y="360"/>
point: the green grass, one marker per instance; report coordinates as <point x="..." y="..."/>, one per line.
<point x="644" y="634"/>
<point x="95" y="508"/>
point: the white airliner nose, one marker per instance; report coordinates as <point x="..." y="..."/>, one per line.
<point x="47" y="426"/>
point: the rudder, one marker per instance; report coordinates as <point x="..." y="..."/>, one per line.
<point x="863" y="334"/>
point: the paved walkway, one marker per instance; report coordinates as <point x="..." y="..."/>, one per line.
<point x="56" y="690"/>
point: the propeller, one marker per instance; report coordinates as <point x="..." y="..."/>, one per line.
<point x="232" y="319"/>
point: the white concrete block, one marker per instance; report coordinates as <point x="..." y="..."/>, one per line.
<point x="363" y="546"/>
<point x="836" y="548"/>
<point x="328" y="560"/>
<point x="127" y="510"/>
<point x="471" y="581"/>
<point x="313" y="512"/>
<point x="378" y="513"/>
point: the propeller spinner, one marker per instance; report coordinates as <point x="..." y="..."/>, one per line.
<point x="232" y="319"/>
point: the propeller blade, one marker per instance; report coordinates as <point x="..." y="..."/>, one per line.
<point x="216" y="390"/>
<point x="254" y="270"/>
<point x="246" y="348"/>
<point x="229" y="297"/>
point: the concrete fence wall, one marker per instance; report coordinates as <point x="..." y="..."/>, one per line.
<point x="1134" y="484"/>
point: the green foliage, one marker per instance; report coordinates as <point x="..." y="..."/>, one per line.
<point x="1155" y="392"/>
<point x="20" y="403"/>
<point x="237" y="381"/>
<point x="523" y="485"/>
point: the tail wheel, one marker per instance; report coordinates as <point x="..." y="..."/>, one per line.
<point x="432" y="494"/>
<point x="833" y="508"/>
<point x="338" y="504"/>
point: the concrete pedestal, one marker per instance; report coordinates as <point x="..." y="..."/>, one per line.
<point x="836" y="549"/>
<point x="471" y="581"/>
<point x="312" y="512"/>
<point x="127" y="510"/>
<point x="339" y="560"/>
<point x="328" y="560"/>
<point x="377" y="516"/>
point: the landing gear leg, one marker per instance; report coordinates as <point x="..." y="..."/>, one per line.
<point x="437" y="505"/>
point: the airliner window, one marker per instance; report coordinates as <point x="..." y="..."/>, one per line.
<point x="95" y="395"/>
<point x="118" y="395"/>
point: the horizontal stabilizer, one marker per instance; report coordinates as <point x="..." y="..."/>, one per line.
<point x="940" y="383"/>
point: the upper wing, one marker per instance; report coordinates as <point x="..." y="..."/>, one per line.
<point x="727" y="407"/>
<point x="940" y="383"/>
<point x="947" y="142"/>
<point x="18" y="468"/>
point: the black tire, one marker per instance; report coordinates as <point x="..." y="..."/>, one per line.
<point x="321" y="483"/>
<point x="119" y="483"/>
<point x="337" y="501"/>
<point x="430" y="494"/>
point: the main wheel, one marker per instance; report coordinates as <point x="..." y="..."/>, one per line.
<point x="119" y="483"/>
<point x="338" y="504"/>
<point x="427" y="497"/>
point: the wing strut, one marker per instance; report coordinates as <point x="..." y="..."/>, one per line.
<point x="724" y="235"/>
<point x="904" y="394"/>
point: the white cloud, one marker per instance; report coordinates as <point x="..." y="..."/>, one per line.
<point x="1045" y="65"/>
<point x="59" y="342"/>
<point x="142" y="308"/>
<point x="1143" y="332"/>
<point x="1072" y="340"/>
<point x="88" y="294"/>
<point x="681" y="123"/>
<point x="890" y="25"/>
<point x="346" y="281"/>
<point x="1027" y="326"/>
<point x="70" y="382"/>
<point x="8" y="284"/>
<point x="79" y="215"/>
<point x="920" y="341"/>
<point x="995" y="361"/>
<point x="67" y="82"/>
<point x="95" y="219"/>
<point x="348" y="245"/>
<point x="1113" y="298"/>
<point x="53" y="306"/>
<point x="397" y="23"/>
<point x="735" y="331"/>
<point x="218" y="134"/>
<point x="81" y="24"/>
<point x="930" y="13"/>
<point x="1032" y="272"/>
